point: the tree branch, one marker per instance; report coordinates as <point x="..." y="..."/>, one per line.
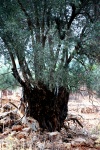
<point x="29" y="22"/>
<point x="14" y="69"/>
<point x="77" y="12"/>
<point x="72" y="16"/>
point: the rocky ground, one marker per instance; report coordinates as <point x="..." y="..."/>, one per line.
<point x="81" y="131"/>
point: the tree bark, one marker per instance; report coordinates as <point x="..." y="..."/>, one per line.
<point x="49" y="108"/>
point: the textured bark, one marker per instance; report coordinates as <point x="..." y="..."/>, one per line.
<point x="48" y="108"/>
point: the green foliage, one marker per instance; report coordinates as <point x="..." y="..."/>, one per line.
<point x="55" y="42"/>
<point x="6" y="78"/>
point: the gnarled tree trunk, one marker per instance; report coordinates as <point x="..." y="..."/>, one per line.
<point x="48" y="108"/>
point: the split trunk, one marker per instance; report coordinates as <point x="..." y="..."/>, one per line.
<point x="47" y="107"/>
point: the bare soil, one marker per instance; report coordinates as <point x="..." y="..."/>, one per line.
<point x="72" y="137"/>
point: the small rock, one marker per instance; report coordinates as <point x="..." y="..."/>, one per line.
<point x="5" y="121"/>
<point x="35" y="138"/>
<point x="67" y="145"/>
<point x="97" y="141"/>
<point x="48" y="146"/>
<point x="7" y="132"/>
<point x="58" y="146"/>
<point x="97" y="146"/>
<point x="28" y="129"/>
<point x="94" y="137"/>
<point x="4" y="145"/>
<point x="17" y="128"/>
<point x="89" y="109"/>
<point x="90" y="142"/>
<point x="21" y="135"/>
<point x="32" y="123"/>
<point x="78" y="142"/>
<point x="24" y="120"/>
<point x="55" y="136"/>
<point x="6" y="108"/>
<point x="40" y="145"/>
<point x="22" y="140"/>
<point x="13" y="133"/>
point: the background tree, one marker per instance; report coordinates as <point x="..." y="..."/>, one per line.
<point x="54" y="42"/>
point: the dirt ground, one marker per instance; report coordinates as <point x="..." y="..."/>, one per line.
<point x="73" y="137"/>
<point x="88" y="109"/>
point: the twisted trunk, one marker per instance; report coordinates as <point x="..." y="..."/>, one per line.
<point x="48" y="108"/>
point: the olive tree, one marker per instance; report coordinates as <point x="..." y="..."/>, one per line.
<point x="54" y="43"/>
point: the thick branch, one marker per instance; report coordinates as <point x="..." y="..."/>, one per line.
<point x="77" y="12"/>
<point x="70" y="57"/>
<point x="78" y="47"/>
<point x="23" y="68"/>
<point x="29" y="22"/>
<point x="72" y="16"/>
<point x="43" y="25"/>
<point x="27" y="69"/>
<point x="50" y="42"/>
<point x="14" y="69"/>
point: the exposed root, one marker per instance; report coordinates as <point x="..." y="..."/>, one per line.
<point x="74" y="119"/>
<point x="13" y="105"/>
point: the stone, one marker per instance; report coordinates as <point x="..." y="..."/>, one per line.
<point x="67" y="146"/>
<point x="28" y="129"/>
<point x="40" y="145"/>
<point x="55" y="136"/>
<point x="78" y="142"/>
<point x="13" y="133"/>
<point x="97" y="146"/>
<point x="94" y="137"/>
<point x="89" y="142"/>
<point x="97" y="141"/>
<point x="35" y="138"/>
<point x="6" y="108"/>
<point x="17" y="128"/>
<point x="88" y="110"/>
<point x="21" y="135"/>
<point x="33" y="124"/>
<point x="24" y="120"/>
<point x="48" y="145"/>
<point x="7" y="132"/>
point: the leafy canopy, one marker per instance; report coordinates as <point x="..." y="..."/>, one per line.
<point x="55" y="42"/>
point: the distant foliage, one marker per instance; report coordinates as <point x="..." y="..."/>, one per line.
<point x="93" y="79"/>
